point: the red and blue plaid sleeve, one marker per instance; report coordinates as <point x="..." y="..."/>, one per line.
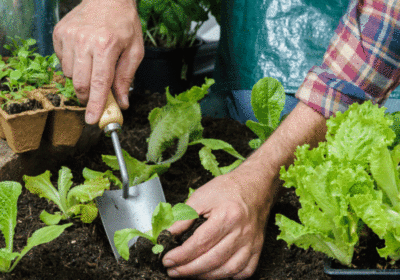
<point x="362" y="61"/>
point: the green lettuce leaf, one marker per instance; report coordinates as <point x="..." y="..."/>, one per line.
<point x="209" y="161"/>
<point x="138" y="171"/>
<point x="179" y="120"/>
<point x="349" y="181"/>
<point x="69" y="200"/>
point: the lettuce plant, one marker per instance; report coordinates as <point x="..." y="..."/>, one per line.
<point x="164" y="216"/>
<point x="9" y="193"/>
<point x="138" y="171"/>
<point x="179" y="119"/>
<point x="267" y="101"/>
<point x="348" y="182"/>
<point x="73" y="202"/>
<point x="208" y="159"/>
<point x="67" y="90"/>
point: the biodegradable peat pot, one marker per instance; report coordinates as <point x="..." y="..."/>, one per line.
<point x="359" y="274"/>
<point x="65" y="122"/>
<point x="163" y="67"/>
<point x="23" y="131"/>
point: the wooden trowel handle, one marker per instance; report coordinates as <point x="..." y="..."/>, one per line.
<point x="112" y="113"/>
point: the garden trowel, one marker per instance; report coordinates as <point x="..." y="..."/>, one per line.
<point x="131" y="207"/>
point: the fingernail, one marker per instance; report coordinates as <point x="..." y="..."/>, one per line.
<point x="89" y="118"/>
<point x="168" y="263"/>
<point x="173" y="273"/>
<point x="124" y="101"/>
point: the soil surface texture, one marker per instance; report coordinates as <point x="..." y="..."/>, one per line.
<point x="19" y="107"/>
<point x="83" y="251"/>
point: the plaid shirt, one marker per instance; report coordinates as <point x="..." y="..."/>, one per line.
<point x="362" y="61"/>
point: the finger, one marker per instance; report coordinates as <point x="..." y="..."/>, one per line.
<point x="82" y="70"/>
<point x="249" y="269"/>
<point x="57" y="42"/>
<point x="180" y="227"/>
<point x="104" y="62"/>
<point x="125" y="71"/>
<point x="237" y="266"/>
<point x="204" y="238"/>
<point x="67" y="61"/>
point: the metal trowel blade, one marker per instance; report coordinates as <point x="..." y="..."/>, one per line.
<point x="135" y="212"/>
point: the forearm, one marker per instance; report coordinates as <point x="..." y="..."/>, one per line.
<point x="303" y="125"/>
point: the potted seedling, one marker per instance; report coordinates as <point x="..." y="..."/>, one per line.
<point x="170" y="42"/>
<point x="348" y="188"/>
<point x="23" y="111"/>
<point x="66" y="121"/>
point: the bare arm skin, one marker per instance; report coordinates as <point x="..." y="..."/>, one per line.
<point x="237" y="205"/>
<point x="100" y="46"/>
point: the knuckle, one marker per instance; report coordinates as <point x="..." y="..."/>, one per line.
<point x="139" y="53"/>
<point x="105" y="40"/>
<point x="124" y="80"/>
<point x="234" y="213"/>
<point x="80" y="87"/>
<point x="99" y="83"/>
<point x="246" y="273"/>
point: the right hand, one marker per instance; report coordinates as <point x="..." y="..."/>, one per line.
<point x="100" y="45"/>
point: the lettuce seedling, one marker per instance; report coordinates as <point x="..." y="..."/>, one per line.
<point x="347" y="182"/>
<point x="267" y="101"/>
<point x="164" y="216"/>
<point x="90" y="174"/>
<point x="208" y="159"/>
<point x="26" y="69"/>
<point x="77" y="201"/>
<point x="138" y="171"/>
<point x="9" y="193"/>
<point x="179" y="119"/>
<point x="68" y="90"/>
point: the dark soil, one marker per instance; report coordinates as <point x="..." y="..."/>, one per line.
<point x="19" y="107"/>
<point x="83" y="251"/>
<point x="54" y="98"/>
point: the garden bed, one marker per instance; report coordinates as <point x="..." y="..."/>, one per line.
<point x="83" y="251"/>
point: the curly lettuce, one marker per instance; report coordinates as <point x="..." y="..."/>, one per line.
<point x="345" y="183"/>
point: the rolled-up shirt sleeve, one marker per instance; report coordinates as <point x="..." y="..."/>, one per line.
<point x="362" y="61"/>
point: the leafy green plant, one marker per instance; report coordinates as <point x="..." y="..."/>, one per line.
<point x="267" y="101"/>
<point x="90" y="174"/>
<point x="19" y="46"/>
<point x="73" y="202"/>
<point x="209" y="161"/>
<point x="164" y="216"/>
<point x="68" y="90"/>
<point x="346" y="183"/>
<point x="168" y="23"/>
<point x="9" y="193"/>
<point x="26" y="70"/>
<point x="179" y="119"/>
<point x="138" y="171"/>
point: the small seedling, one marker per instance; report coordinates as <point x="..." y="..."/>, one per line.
<point x="164" y="216"/>
<point x="73" y="202"/>
<point x="9" y="193"/>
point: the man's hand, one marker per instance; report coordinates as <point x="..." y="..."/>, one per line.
<point x="237" y="205"/>
<point x="100" y="45"/>
<point x="229" y="243"/>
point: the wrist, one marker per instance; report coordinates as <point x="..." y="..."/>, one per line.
<point x="261" y="169"/>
